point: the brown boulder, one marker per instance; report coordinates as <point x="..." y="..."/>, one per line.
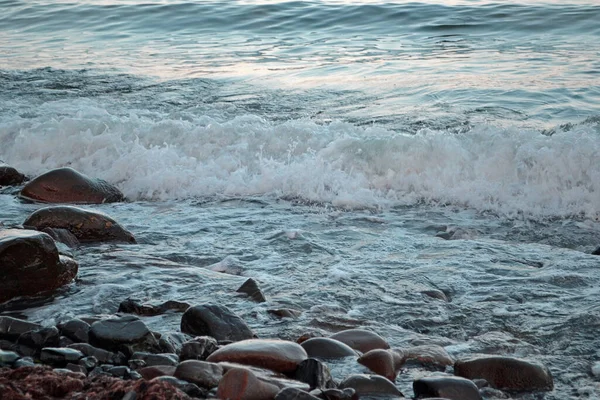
<point x="374" y="385"/>
<point x="149" y="373"/>
<point x="506" y="373"/>
<point x="30" y="264"/>
<point x="383" y="362"/>
<point x="242" y="384"/>
<point x="320" y="347"/>
<point x="361" y="340"/>
<point x="85" y="225"/>
<point x="65" y="185"/>
<point x="276" y="355"/>
<point x="428" y="355"/>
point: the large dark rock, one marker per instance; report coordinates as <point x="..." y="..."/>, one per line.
<point x="85" y="225"/>
<point x="198" y="348"/>
<point x="361" y="339"/>
<point x="216" y="321"/>
<point x="449" y="387"/>
<point x="60" y="356"/>
<point x="101" y="355"/>
<point x="9" y="175"/>
<point x="201" y="373"/>
<point x="76" y="330"/>
<point x="370" y="385"/>
<point x="31" y="343"/>
<point x="11" y="328"/>
<point x="315" y="373"/>
<point x="250" y="287"/>
<point x="506" y="373"/>
<point x="127" y="334"/>
<point x="327" y="348"/>
<point x="276" y="355"/>
<point x="65" y="185"/>
<point x="30" y="264"/>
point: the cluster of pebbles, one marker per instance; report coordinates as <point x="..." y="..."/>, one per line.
<point x="215" y="354"/>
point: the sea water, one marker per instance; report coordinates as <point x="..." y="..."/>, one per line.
<point x="347" y="155"/>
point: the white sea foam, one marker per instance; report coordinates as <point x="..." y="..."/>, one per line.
<point x="155" y="157"/>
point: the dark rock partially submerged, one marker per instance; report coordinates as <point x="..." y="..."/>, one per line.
<point x="134" y="306"/>
<point x="65" y="185"/>
<point x="85" y="225"/>
<point x="450" y="387"/>
<point x="215" y="320"/>
<point x="9" y="175"/>
<point x="250" y="287"/>
<point x="30" y="264"/>
<point x="506" y="373"/>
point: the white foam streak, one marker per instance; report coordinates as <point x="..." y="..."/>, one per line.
<point x="151" y="156"/>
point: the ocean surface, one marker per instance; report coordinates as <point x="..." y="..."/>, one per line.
<point x="348" y="155"/>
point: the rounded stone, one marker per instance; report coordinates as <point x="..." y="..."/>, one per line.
<point x="276" y="355"/>
<point x="383" y="362"/>
<point x="60" y="356"/>
<point x="85" y="225"/>
<point x="30" y="264"/>
<point x="65" y="185"/>
<point x="127" y="333"/>
<point x="9" y="175"/>
<point x="327" y="348"/>
<point x="365" y="385"/>
<point x="216" y="321"/>
<point x="202" y="373"/>
<point x="506" y="373"/>
<point x="242" y="384"/>
<point x="428" y="355"/>
<point x="361" y="340"/>
<point x="449" y="387"/>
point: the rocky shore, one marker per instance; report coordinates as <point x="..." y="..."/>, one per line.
<point x="215" y="354"/>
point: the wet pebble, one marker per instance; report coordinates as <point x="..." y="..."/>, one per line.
<point x="198" y="348"/>
<point x="361" y="340"/>
<point x="60" y="356"/>
<point x="327" y="348"/>
<point x="201" y="373"/>
<point x="450" y="387"/>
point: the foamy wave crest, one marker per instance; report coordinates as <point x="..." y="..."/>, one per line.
<point x="156" y="157"/>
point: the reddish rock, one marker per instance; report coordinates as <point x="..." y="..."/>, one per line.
<point x="65" y="185"/>
<point x="85" y="225"/>
<point x="383" y="362"/>
<point x="30" y="264"/>
<point x="9" y="175"/>
<point x="202" y="373"/>
<point x="150" y="373"/>
<point x="361" y="340"/>
<point x="327" y="348"/>
<point x="449" y="387"/>
<point x="241" y="384"/>
<point x="276" y="355"/>
<point x="506" y="373"/>
<point x="428" y="355"/>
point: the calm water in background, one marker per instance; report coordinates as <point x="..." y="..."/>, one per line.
<point x="319" y="147"/>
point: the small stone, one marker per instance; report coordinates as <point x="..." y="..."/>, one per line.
<point x="76" y="368"/>
<point x="172" y="342"/>
<point x="506" y="373"/>
<point x="7" y="358"/>
<point x="12" y="328"/>
<point x="361" y="340"/>
<point x="64" y="341"/>
<point x="9" y="175"/>
<point x="101" y="355"/>
<point x="294" y="394"/>
<point x="24" y="362"/>
<point x="370" y="385"/>
<point x="250" y="287"/>
<point x="327" y="348"/>
<point x="449" y="387"/>
<point x="119" y="372"/>
<point x="198" y="348"/>
<point x="136" y="364"/>
<point x="31" y="343"/>
<point x="76" y="330"/>
<point x="202" y="373"/>
<point x="60" y="357"/>
<point x="336" y="394"/>
<point x="156" y="359"/>
<point x="89" y="363"/>
<point x="216" y="321"/>
<point x="315" y="373"/>
<point x="276" y="355"/>
<point x="285" y="313"/>
<point x="127" y="333"/>
<point x="188" y="388"/>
